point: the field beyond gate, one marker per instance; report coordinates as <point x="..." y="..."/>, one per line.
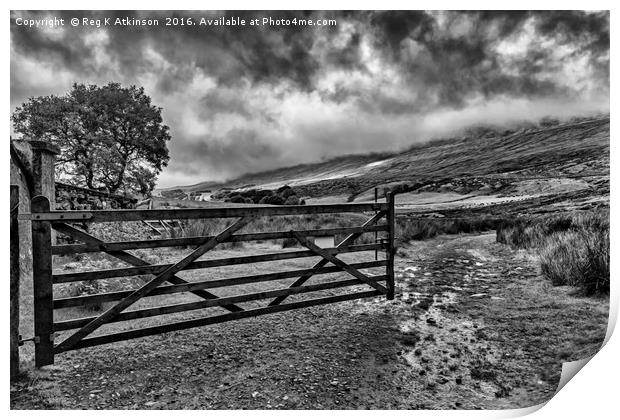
<point x="71" y="223"/>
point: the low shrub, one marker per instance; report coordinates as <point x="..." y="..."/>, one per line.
<point x="236" y="199"/>
<point x="289" y="243"/>
<point x="292" y="200"/>
<point x="272" y="199"/>
<point x="287" y="193"/>
<point x="253" y="196"/>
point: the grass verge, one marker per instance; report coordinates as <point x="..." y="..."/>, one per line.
<point x="573" y="248"/>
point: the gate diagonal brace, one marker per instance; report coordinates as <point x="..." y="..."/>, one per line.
<point x="345" y="242"/>
<point x="338" y="262"/>
<point x="165" y="275"/>
<point x="133" y="260"/>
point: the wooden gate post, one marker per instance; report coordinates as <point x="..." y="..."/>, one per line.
<point x="14" y="291"/>
<point x="43" y="161"/>
<point x="42" y="284"/>
<point x="43" y="168"/>
<point x="391" y="219"/>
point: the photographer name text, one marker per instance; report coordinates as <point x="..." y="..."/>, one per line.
<point x="53" y="22"/>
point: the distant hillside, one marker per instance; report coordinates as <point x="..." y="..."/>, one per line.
<point x="564" y="150"/>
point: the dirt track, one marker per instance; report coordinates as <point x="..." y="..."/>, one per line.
<point x="473" y="326"/>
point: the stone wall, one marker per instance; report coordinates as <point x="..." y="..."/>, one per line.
<point x="70" y="197"/>
<point x="65" y="196"/>
<point x="25" y="235"/>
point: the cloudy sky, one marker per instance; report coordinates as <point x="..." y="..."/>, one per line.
<point x="245" y="99"/>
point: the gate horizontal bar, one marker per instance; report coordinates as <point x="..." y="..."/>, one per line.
<point x="52" y="216"/>
<point x="98" y="216"/>
<point x="169" y="309"/>
<point x="209" y="284"/>
<point x="128" y="258"/>
<point x="154" y="269"/>
<point x="199" y="322"/>
<point x="196" y="240"/>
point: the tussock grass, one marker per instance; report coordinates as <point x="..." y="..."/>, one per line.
<point x="420" y="229"/>
<point x="209" y="227"/>
<point x="573" y="249"/>
<point x="92" y="287"/>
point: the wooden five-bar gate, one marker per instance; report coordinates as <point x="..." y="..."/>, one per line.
<point x="69" y="223"/>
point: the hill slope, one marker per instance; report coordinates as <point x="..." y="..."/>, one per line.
<point x="540" y="161"/>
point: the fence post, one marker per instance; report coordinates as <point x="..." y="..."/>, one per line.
<point x="376" y="233"/>
<point x="391" y="219"/>
<point x="14" y="291"/>
<point x="42" y="284"/>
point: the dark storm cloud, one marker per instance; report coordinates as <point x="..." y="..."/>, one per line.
<point x="229" y="53"/>
<point x="450" y="65"/>
<point x="234" y="95"/>
<point x="454" y="65"/>
<point x="241" y="150"/>
<point x="589" y="30"/>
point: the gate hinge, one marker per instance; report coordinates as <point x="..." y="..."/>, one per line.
<point x="36" y="339"/>
<point x="21" y="341"/>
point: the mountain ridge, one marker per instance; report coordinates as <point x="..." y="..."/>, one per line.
<point x="530" y="151"/>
